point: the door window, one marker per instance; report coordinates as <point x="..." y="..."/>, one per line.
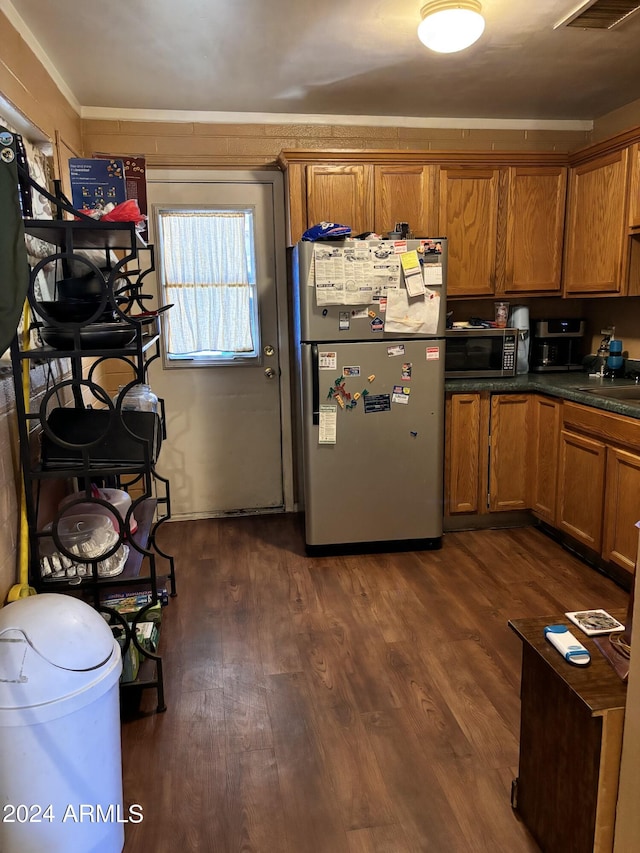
<point x="207" y="271"/>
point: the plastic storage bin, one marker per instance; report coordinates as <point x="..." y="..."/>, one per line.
<point x="61" y="768"/>
<point x="119" y="500"/>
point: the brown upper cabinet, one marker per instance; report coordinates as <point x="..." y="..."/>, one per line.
<point x="516" y="224"/>
<point x="406" y="193"/>
<point x="369" y="197"/>
<point x="536" y="198"/>
<point x="341" y="192"/>
<point x="505" y="227"/>
<point x="597" y="244"/>
<point x="469" y="220"/>
<point x="634" y="188"/>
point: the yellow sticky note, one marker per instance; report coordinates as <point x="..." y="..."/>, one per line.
<point x="410" y="262"/>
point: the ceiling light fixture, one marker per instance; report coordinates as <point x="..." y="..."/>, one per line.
<point x="448" y="26"/>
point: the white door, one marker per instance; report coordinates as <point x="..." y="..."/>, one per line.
<point x="228" y="446"/>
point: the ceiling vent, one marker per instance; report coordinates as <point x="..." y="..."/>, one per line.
<point x="600" y="14"/>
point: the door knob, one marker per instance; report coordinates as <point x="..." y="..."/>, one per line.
<point x="269" y="373"/>
<point x="269" y="350"/>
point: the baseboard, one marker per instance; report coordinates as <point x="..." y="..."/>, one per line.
<point x="487" y="521"/>
<point x="617" y="574"/>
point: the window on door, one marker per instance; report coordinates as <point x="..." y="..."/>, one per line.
<point x="207" y="272"/>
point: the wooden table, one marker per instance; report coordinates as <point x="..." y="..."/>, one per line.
<point x="570" y="743"/>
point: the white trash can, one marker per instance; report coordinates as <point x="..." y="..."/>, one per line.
<point x="60" y="756"/>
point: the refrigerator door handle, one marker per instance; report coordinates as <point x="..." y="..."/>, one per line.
<point x="315" y="389"/>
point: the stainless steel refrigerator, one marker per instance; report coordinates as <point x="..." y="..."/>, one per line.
<point x="370" y="401"/>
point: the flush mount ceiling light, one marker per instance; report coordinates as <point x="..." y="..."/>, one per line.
<point x="448" y="26"/>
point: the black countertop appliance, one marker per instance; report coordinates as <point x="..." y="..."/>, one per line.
<point x="557" y="345"/>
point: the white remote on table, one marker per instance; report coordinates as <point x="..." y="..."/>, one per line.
<point x="569" y="647"/>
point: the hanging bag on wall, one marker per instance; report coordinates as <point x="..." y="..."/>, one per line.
<point x="14" y="268"/>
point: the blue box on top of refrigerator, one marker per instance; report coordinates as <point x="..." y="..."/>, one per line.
<point x="369" y="326"/>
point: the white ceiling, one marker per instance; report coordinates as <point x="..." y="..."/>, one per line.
<point x="330" y="57"/>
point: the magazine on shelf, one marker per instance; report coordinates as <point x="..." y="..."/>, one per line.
<point x="594" y="622"/>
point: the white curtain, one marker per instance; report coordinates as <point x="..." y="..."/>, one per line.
<point x="207" y="277"/>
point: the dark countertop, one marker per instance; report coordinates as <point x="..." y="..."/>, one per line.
<point x="566" y="386"/>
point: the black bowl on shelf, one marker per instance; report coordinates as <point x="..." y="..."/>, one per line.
<point x="89" y="286"/>
<point x="92" y="336"/>
<point x="74" y="311"/>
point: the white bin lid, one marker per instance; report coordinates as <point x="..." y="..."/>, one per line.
<point x="51" y="646"/>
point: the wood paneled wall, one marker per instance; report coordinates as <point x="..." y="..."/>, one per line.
<point x="616" y="121"/>
<point x="26" y="83"/>
<point x="258" y="145"/>
<point x="623" y="313"/>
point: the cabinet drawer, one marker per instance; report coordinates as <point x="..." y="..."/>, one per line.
<point x="615" y="429"/>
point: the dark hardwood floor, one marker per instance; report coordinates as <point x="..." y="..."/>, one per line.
<point x="360" y="704"/>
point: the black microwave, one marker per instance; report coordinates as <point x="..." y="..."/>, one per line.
<point x="480" y="353"/>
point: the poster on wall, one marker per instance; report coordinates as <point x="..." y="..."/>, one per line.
<point x="135" y="176"/>
<point x="96" y="183"/>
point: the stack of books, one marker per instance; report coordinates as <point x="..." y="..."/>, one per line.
<point x="128" y="603"/>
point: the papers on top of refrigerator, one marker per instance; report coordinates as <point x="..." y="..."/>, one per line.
<point x="367" y="272"/>
<point x="354" y="275"/>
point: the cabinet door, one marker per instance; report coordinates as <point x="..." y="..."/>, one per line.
<point x="597" y="242"/>
<point x="581" y="488"/>
<point x="342" y="194"/>
<point x="469" y="219"/>
<point x="535" y="229"/>
<point x="467" y="432"/>
<point x="545" y="418"/>
<point x="509" y="452"/>
<point x="621" y="508"/>
<point x="406" y="194"/>
<point x="634" y="184"/>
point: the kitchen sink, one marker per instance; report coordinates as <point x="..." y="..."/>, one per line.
<point x="628" y="393"/>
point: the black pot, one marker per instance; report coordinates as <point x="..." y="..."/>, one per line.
<point x="74" y="311"/>
<point x="93" y="336"/>
<point x="89" y="286"/>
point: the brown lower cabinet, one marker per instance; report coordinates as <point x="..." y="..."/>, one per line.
<point x="466" y="452"/>
<point x="509" y="452"/>
<point x="576" y="467"/>
<point x="546" y="417"/>
<point x="486" y="453"/>
<point x="599" y="482"/>
<point x="581" y="488"/>
<point x="621" y="508"/>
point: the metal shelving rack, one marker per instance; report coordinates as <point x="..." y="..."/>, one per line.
<point x="98" y="441"/>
